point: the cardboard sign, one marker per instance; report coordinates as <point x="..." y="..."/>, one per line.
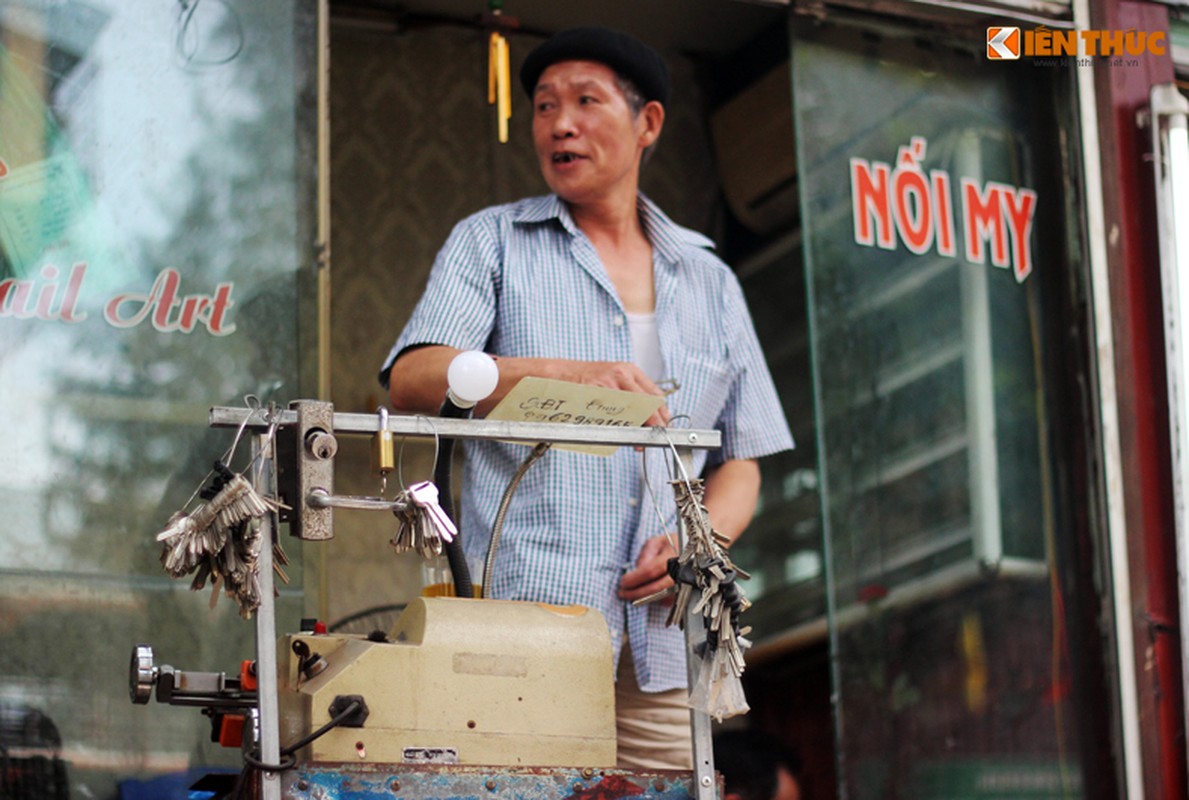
<point x="543" y="400"/>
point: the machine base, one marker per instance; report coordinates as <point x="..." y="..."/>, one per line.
<point x="372" y="782"/>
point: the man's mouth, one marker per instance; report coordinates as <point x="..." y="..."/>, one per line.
<point x="565" y="158"/>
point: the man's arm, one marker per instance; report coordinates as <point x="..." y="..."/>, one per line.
<point x="732" y="491"/>
<point x="417" y="382"/>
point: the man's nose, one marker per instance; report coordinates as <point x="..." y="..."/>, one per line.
<point x="563" y="125"/>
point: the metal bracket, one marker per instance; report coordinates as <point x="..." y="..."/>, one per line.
<point x="216" y="690"/>
<point x="305" y="465"/>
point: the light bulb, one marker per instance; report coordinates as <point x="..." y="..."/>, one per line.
<point x="472" y="376"/>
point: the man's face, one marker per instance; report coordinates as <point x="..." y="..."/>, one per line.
<point x="588" y="142"/>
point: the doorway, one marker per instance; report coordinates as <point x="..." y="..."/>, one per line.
<point x="415" y="148"/>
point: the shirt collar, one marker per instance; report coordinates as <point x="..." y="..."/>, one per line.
<point x="667" y="237"/>
<point x="543" y="209"/>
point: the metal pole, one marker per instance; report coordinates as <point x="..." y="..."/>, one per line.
<point x="266" y="632"/>
<point x="1108" y="413"/>
<point x="1170" y="145"/>
<point x="705" y="787"/>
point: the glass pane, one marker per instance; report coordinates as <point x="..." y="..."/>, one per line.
<point x="783" y="547"/>
<point x="156" y="199"/>
<point x="936" y="251"/>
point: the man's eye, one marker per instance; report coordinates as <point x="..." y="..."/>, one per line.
<point x="587" y="99"/>
<point x="544" y="106"/>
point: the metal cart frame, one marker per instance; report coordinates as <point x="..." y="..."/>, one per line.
<point x="311" y="422"/>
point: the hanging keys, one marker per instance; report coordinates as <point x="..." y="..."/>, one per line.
<point x="425" y="496"/>
<point x="704" y="571"/>
<point x="422" y="525"/>
<point x="220" y="540"/>
<point x="410" y="535"/>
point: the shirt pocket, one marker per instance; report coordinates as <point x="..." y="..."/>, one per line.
<point x="705" y="385"/>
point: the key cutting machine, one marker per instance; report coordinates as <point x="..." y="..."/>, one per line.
<point x="463" y="698"/>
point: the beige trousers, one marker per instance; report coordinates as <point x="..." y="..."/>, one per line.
<point x="653" y="728"/>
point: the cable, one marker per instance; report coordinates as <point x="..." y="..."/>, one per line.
<point x="340" y="625"/>
<point x="252" y="761"/>
<point x="443" y="469"/>
<point x="287" y="752"/>
<point x="238" y="788"/>
<point x="335" y="721"/>
<point x="498" y="527"/>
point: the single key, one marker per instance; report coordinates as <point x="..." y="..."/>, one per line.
<point x="406" y="519"/>
<point x="425" y="496"/>
<point x="657" y="595"/>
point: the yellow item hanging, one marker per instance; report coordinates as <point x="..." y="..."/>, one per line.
<point x="499" y="85"/>
<point x="974" y="653"/>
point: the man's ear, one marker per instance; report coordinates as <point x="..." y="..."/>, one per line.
<point x="653" y="115"/>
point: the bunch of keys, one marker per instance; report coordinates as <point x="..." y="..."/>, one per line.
<point x="422" y="525"/>
<point x="719" y="690"/>
<point x="219" y="540"/>
<point x="703" y="569"/>
<point x="236" y="567"/>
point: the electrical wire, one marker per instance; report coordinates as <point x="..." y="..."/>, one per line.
<point x="335" y="721"/>
<point x="252" y="761"/>
<point x="498" y="526"/>
<point x="442" y="477"/>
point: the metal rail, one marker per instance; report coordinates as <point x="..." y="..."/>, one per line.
<point x="524" y="432"/>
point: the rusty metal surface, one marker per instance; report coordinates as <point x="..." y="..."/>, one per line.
<point x="371" y="782"/>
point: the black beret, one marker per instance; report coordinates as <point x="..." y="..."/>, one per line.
<point x="625" y="54"/>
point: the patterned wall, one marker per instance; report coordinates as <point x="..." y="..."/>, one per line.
<point x="413" y="150"/>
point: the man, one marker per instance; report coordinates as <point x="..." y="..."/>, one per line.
<point x="593" y="284"/>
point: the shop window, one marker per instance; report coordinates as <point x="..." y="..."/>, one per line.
<point x="156" y="207"/>
<point x="941" y="273"/>
<point x="751" y="127"/>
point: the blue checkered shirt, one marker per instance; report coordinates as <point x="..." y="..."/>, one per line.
<point x="522" y="280"/>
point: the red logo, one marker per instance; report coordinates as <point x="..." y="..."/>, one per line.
<point x="3" y="168"/>
<point x="1003" y="44"/>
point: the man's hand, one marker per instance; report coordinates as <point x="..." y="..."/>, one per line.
<point x="651" y="573"/>
<point x="732" y="489"/>
<point x="615" y="375"/>
<point x="418" y="379"/>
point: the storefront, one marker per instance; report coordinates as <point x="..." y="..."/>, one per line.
<point x="964" y="577"/>
<point x="990" y="631"/>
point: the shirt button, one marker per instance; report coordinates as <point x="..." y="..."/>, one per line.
<point x="618" y="321"/>
<point x="633" y="501"/>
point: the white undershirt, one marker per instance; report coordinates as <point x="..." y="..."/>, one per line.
<point x="646" y="344"/>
